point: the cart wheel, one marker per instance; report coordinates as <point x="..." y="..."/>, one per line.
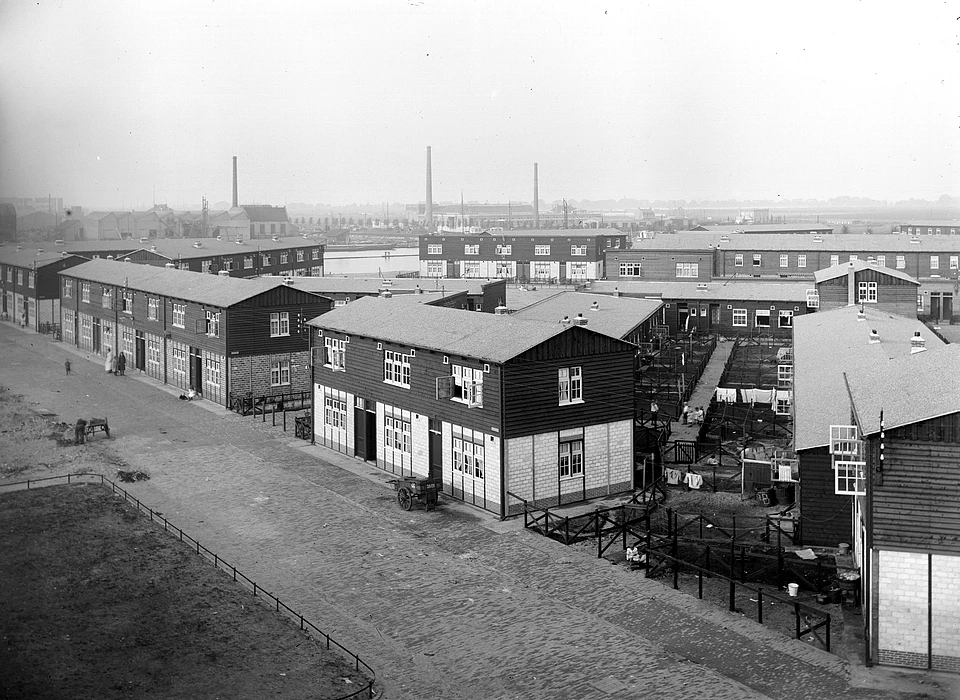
<point x="404" y="499"/>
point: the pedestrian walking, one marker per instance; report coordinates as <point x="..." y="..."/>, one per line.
<point x="79" y="431"/>
<point x="685" y="413"/>
<point x="113" y="364"/>
<point x="121" y="364"/>
<point x="654" y="411"/>
<point x="66" y="366"/>
<point x="23" y="320"/>
<point x="108" y="361"/>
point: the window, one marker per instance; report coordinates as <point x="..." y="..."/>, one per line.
<point x="85" y="292"/>
<point x="853" y="258"/>
<point x="468" y="452"/>
<point x="284" y="258"/>
<point x="541" y="250"/>
<point x="86" y="327"/>
<point x="882" y="260"/>
<point x="334" y="354"/>
<point x="504" y="268"/>
<point x="341" y="302"/>
<point x="740" y="317"/>
<point x="183" y="266"/>
<point x="784" y="261"/>
<point x="762" y="318"/>
<point x="867" y="292"/>
<point x="738" y="260"/>
<point x="263" y="230"/>
<point x="127" y="302"/>
<point x="786" y="319"/>
<point x="68" y="289"/>
<point x="577" y="270"/>
<point x="901" y="262"/>
<point x="179" y="315"/>
<point x="396" y="368"/>
<point x="504" y="250"/>
<point x="396" y="429"/>
<point x="300" y="256"/>
<point x="248" y="262"/>
<point x="228" y="264"/>
<point x="211" y="369"/>
<point x="435" y="268"/>
<point x="578" y="250"/>
<point x="471" y="249"/>
<point x="834" y="260"/>
<point x="280" y="373"/>
<point x="929" y="231"/>
<point x="920" y="303"/>
<point x="467" y="385"/>
<point x="279" y="324"/>
<point x="153" y="309"/>
<point x="688" y="269"/>
<point x="153" y="350"/>
<point x="434" y="249"/>
<point x="938" y="232"/>
<point x="315" y="254"/>
<point x="335" y="408"/>
<point x="178" y="354"/>
<point x="850" y="478"/>
<point x="954" y="260"/>
<point x="106" y="298"/>
<point x="570" y="385"/>
<point x="630" y="270"/>
<point x="471" y="268"/>
<point x="9" y="274"/>
<point x="206" y="266"/>
<point x="213" y="324"/>
<point x="316" y="271"/>
<point x="266" y="259"/>
<point x="541" y="270"/>
<point x="571" y="459"/>
<point x="756" y="260"/>
<point x="30" y="278"/>
<point x="934" y="262"/>
<point x="20" y="278"/>
<point x="801" y="261"/>
<point x="784" y="375"/>
<point x="784" y="403"/>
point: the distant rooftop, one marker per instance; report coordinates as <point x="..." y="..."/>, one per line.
<point x="613" y="316"/>
<point x="747" y="289"/>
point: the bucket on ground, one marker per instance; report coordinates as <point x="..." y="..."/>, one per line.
<point x="793" y="589"/>
<point x="843" y="548"/>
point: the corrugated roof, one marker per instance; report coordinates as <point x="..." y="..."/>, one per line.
<point x="825" y="346"/>
<point x="907" y="389"/>
<point x="783" y="243"/>
<point x="469" y="334"/>
<point x="729" y="290"/>
<point x="216" y="290"/>
<point x="829" y="273"/>
<point x="614" y="316"/>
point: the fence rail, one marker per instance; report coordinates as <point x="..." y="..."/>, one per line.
<point x="250" y="404"/>
<point x="366" y="691"/>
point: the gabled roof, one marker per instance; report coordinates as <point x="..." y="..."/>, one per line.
<point x="881" y="243"/>
<point x="529" y="233"/>
<point x="489" y="337"/>
<point x="829" y="273"/>
<point x="216" y="290"/>
<point x="400" y="285"/>
<point x="613" y="316"/>
<point x="730" y="290"/>
<point x="908" y="389"/>
<point x="265" y="212"/>
<point x="828" y="344"/>
<point x="29" y="257"/>
<point x="763" y="228"/>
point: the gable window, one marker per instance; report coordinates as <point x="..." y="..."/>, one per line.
<point x="867" y="292"/>
<point x="541" y="250"/>
<point x="179" y="315"/>
<point x="504" y="250"/>
<point x="127" y="302"/>
<point x="934" y="262"/>
<point x="396" y="368"/>
<point x="570" y="385"/>
<point x="434" y="249"/>
<point x="756" y="260"/>
<point x="688" y="269"/>
<point x="738" y="260"/>
<point x="396" y="429"/>
<point x="213" y="324"/>
<point x="85" y="292"/>
<point x="740" y="317"/>
<point x="471" y="249"/>
<point x="467" y="385"/>
<point x="834" y="260"/>
<point x="901" y="262"/>
<point x="785" y="319"/>
<point x="334" y="354"/>
<point x="801" y="261"/>
<point x="762" y="318"/>
<point x="468" y="452"/>
<point x="280" y="373"/>
<point x="279" y="324"/>
<point x="570" y="462"/>
<point x="578" y="250"/>
<point x="630" y="270"/>
<point x="68" y="289"/>
<point x="153" y="309"/>
<point x="784" y="261"/>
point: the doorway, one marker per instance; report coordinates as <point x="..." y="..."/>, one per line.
<point x="436" y="450"/>
<point x="96" y="335"/>
<point x="196" y="370"/>
<point x="365" y="430"/>
<point x="140" y="357"/>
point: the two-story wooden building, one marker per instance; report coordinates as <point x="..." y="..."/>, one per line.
<point x="560" y="256"/>
<point x="30" y="284"/>
<point x="866" y="283"/>
<point x="502" y="409"/>
<point x="635" y="320"/>
<point x="216" y="334"/>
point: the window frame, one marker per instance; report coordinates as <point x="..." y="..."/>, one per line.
<point x="179" y="315"/>
<point x="631" y="269"/>
<point x="578" y="250"/>
<point x="784" y="260"/>
<point x="740" y="314"/>
<point x="541" y="250"/>
<point x="280" y="370"/>
<point x="738" y="259"/>
<point x="568" y="464"/>
<point x="396" y="368"/>
<point x="801" y="260"/>
<point x="279" y="324"/>
<point x="335" y="354"/>
<point x="570" y="385"/>
<point x="434" y="249"/>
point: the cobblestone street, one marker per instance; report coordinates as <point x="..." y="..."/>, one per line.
<point x="444" y="604"/>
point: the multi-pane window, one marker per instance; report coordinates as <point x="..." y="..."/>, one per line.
<point x="284" y="258"/>
<point x="178" y="354"/>
<point x="762" y="318"/>
<point x="396" y="368"/>
<point x="867" y="292"/>
<point x="315" y="254"/>
<point x="299" y="256"/>
<point x="631" y="269"/>
<point x="30" y="279"/>
<point x="106" y="298"/>
<point x="86" y="327"/>
<point x="756" y="260"/>
<point x="784" y="261"/>
<point x="153" y="350"/>
<point x="934" y="262"/>
<point x="468" y="452"/>
<point x="396" y="429"/>
<point x="954" y="260"/>
<point x="571" y="459"/>
<point x="687" y="269"/>
<point x="228" y="264"/>
<point x="738" y="260"/>
<point x="541" y="250"/>
<point x="279" y="324"/>
<point x="578" y="250"/>
<point x="153" y="309"/>
<point x="213" y="323"/>
<point x="901" y="262"/>
<point x="211" y="369"/>
<point x="570" y="385"/>
<point x="68" y="289"/>
<point x="471" y="249"/>
<point x="280" y="373"/>
<point x="179" y="315"/>
<point x="853" y="258"/>
<point x="504" y="268"/>
<point x="85" y="292"/>
<point x="127" y="302"/>
<point x="467" y="385"/>
<point x="801" y="261"/>
<point x="881" y="260"/>
<point x="834" y="260"/>
<point x="266" y="260"/>
<point x="740" y="317"/>
<point x="206" y="266"/>
<point x="183" y="266"/>
<point x="578" y="270"/>
<point x="334" y="353"/>
<point x="20" y="278"/>
<point x="785" y="319"/>
<point x="247" y="262"/>
<point x="435" y="268"/>
<point x="335" y="408"/>
<point x="541" y="270"/>
<point x="316" y="271"/>
<point x="434" y="249"/>
<point x="920" y="303"/>
<point x="471" y="268"/>
<point x="784" y="375"/>
<point x="504" y="250"/>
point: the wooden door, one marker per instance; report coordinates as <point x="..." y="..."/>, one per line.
<point x="140" y="360"/>
<point x="96" y="335"/>
<point x="196" y="370"/>
<point x="436" y="450"/>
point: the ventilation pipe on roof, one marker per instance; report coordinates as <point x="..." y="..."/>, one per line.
<point x="874" y="337"/>
<point x="595" y="306"/>
<point x="616" y="291"/>
<point x="565" y="320"/>
<point x="917" y="343"/>
<point x="109" y="257"/>
<point x="851" y="285"/>
<point x="579" y="320"/>
<point x="861" y="314"/>
<point x="385" y="294"/>
<point x="170" y="266"/>
<point x="501" y="310"/>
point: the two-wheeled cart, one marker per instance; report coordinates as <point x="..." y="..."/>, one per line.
<point x="424" y="491"/>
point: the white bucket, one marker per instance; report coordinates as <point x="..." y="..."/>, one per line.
<point x="843" y="548"/>
<point x="793" y="589"/>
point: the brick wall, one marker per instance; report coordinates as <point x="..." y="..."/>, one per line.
<point x="252" y="374"/>
<point x="945" y="599"/>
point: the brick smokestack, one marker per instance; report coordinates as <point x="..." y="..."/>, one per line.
<point x="428" y="216"/>
<point x="536" y="198"/>
<point x="236" y="202"/>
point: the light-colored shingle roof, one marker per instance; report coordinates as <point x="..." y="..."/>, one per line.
<point x="829" y="343"/>
<point x="372" y="285"/>
<point x="482" y="336"/>
<point x="829" y="273"/>
<point x="881" y="243"/>
<point x="730" y="290"/>
<point x="762" y="228"/>
<point x="28" y="257"/>
<point x="613" y="316"/>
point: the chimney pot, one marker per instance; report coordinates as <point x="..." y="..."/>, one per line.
<point x="917" y="343"/>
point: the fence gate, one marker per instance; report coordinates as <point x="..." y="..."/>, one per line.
<point x="683" y="452"/>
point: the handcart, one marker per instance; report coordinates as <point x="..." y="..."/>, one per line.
<point x="412" y="488"/>
<point x="97" y="424"/>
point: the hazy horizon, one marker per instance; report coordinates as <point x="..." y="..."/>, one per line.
<point x="105" y="102"/>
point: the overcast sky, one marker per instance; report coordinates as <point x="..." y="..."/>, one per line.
<point x="102" y="102"/>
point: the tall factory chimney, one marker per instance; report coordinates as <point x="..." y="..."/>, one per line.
<point x="536" y="198"/>
<point x="236" y="202"/>
<point x="428" y="216"/>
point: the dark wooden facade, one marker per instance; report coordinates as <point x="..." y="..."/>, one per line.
<point x="827" y="517"/>
<point x="894" y="294"/>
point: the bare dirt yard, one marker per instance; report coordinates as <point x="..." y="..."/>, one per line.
<point x="96" y="601"/>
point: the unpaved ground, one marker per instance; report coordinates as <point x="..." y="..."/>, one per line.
<point x="98" y="602"/>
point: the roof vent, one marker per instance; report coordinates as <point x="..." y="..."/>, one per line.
<point x="153" y="249"/>
<point x="579" y="320"/>
<point x="126" y="259"/>
<point x="386" y="283"/>
<point x="818" y="239"/>
<point x="144" y="240"/>
<point x="595" y="306"/>
<point x="725" y="238"/>
<point x="274" y="238"/>
<point x="917" y="343"/>
<point x="419" y="291"/>
<point x="385" y="294"/>
<point x="701" y="285"/>
<point x="565" y="320"/>
<point x="224" y="273"/>
<point x="914" y="240"/>
<point x="63" y="253"/>
<point x="616" y="291"/>
<point x="169" y="266"/>
<point x="59" y="241"/>
<point x="197" y="244"/>
<point x="861" y="314"/>
<point x="288" y="281"/>
<point x="109" y="257"/>
<point x="501" y="310"/>
<point x="874" y="337"/>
